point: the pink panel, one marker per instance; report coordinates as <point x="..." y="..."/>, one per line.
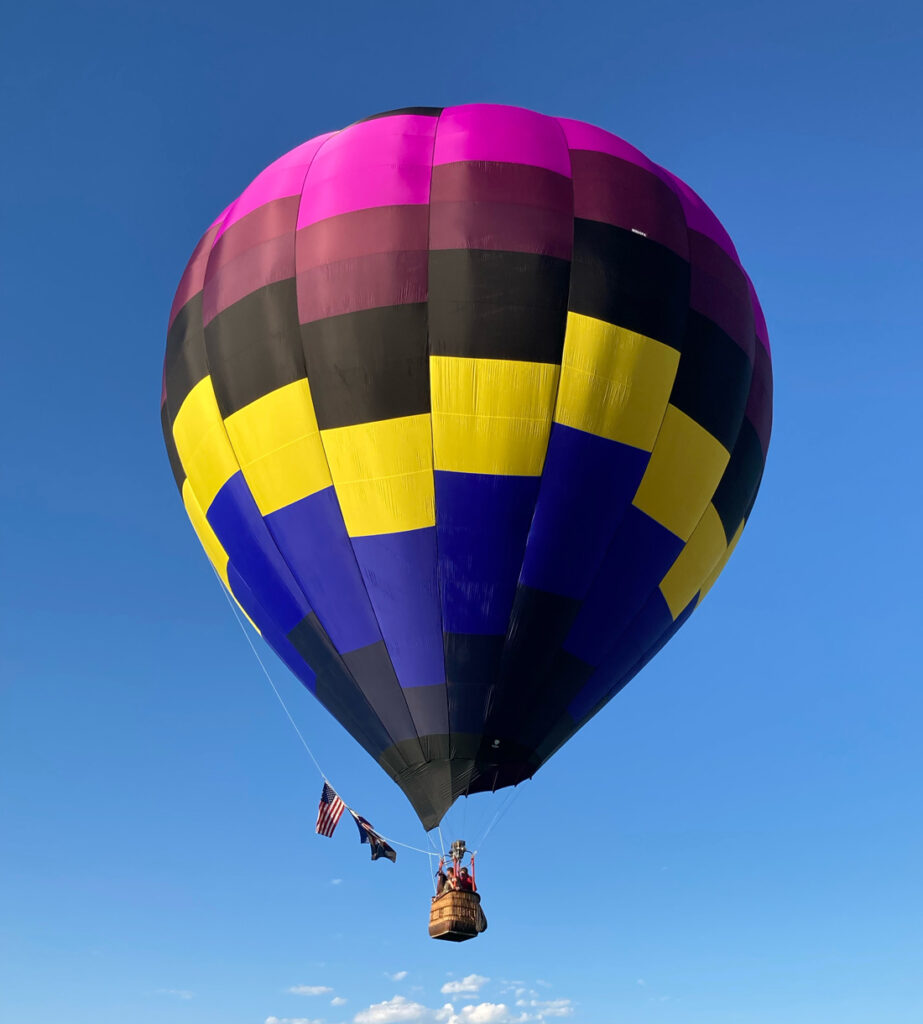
<point x="283" y="178"/>
<point x="481" y="131"/>
<point x="194" y="275"/>
<point x="698" y="216"/>
<point x="580" y="135"/>
<point x="383" y="162"/>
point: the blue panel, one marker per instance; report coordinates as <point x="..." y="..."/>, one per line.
<point x="646" y="635"/>
<point x="482" y="523"/>
<point x="312" y="538"/>
<point x="638" y="558"/>
<point x="270" y="631"/>
<point x="399" y="570"/>
<point x="587" y="484"/>
<point x="236" y="520"/>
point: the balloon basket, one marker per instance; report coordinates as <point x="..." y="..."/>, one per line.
<point x="456" y="916"/>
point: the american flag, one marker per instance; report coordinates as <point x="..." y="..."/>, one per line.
<point x="330" y="811"/>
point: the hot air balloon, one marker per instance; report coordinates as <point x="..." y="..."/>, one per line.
<point x="468" y="407"/>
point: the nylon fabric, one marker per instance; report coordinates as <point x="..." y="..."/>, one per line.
<point x="468" y="408"/>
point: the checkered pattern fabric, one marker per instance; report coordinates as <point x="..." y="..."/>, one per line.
<point x="468" y="408"/>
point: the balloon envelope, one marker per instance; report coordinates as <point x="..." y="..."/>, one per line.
<point x="468" y="408"/>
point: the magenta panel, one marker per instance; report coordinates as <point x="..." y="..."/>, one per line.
<point x="481" y="131"/>
<point x="385" y="162"/>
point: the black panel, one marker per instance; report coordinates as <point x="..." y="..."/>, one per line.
<point x="713" y="379"/>
<point x="497" y="305"/>
<point x="419" y="111"/>
<point x="542" y="716"/>
<point x="427" y="786"/>
<point x="472" y="662"/>
<point x="741" y="479"/>
<point x="628" y="280"/>
<point x="166" y="423"/>
<point x="336" y="689"/>
<point x="428" y="709"/>
<point x="368" y="366"/>
<point x="254" y="346"/>
<point x="539" y="624"/>
<point x="375" y="676"/>
<point x="185" y="363"/>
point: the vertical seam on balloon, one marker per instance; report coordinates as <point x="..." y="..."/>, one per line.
<point x="272" y="540"/>
<point x="616" y="529"/>
<point x="610" y="693"/>
<point x="554" y="403"/>
<point x="339" y="507"/>
<point x="439" y="590"/>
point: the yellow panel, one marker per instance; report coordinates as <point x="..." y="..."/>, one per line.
<point x="207" y="538"/>
<point x="722" y="562"/>
<point x="685" y="468"/>
<point x="383" y="474"/>
<point x="202" y="443"/>
<point x="491" y="415"/>
<point x="614" y="382"/>
<point x="210" y="543"/>
<point x="694" y="563"/>
<point x="279" y="448"/>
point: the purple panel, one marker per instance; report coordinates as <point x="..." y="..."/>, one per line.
<point x="639" y="556"/>
<point x="194" y="275"/>
<point x="269" y="221"/>
<point x="482" y="524"/>
<point x="759" y="320"/>
<point x="399" y="570"/>
<point x="647" y="635"/>
<point x="587" y="484"/>
<point x="491" y="182"/>
<point x="620" y="192"/>
<point x="501" y="227"/>
<point x="266" y="263"/>
<point x="312" y="538"/>
<point x="237" y="522"/>
<point x="719" y="290"/>
<point x="361" y="233"/>
<point x="270" y="632"/>
<point x="365" y="282"/>
<point x="698" y="215"/>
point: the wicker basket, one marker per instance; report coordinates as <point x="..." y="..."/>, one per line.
<point x="456" y="916"/>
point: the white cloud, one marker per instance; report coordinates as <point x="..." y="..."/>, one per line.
<point x="484" y="1013"/>
<point x="338" y="1001"/>
<point x="543" y="1008"/>
<point x="336" y="881"/>
<point x="398" y="975"/>
<point x="292" y="1020"/>
<point x="179" y="993"/>
<point x="310" y="990"/>
<point x="470" y="983"/>
<point x="642" y="982"/>
<point x="400" y="1009"/>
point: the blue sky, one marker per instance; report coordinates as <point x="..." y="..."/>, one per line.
<point x="737" y="838"/>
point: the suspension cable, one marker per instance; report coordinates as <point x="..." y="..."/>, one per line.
<point x="288" y="714"/>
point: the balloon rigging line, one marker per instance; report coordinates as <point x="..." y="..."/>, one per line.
<point x="500" y="813"/>
<point x="288" y="714"/>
